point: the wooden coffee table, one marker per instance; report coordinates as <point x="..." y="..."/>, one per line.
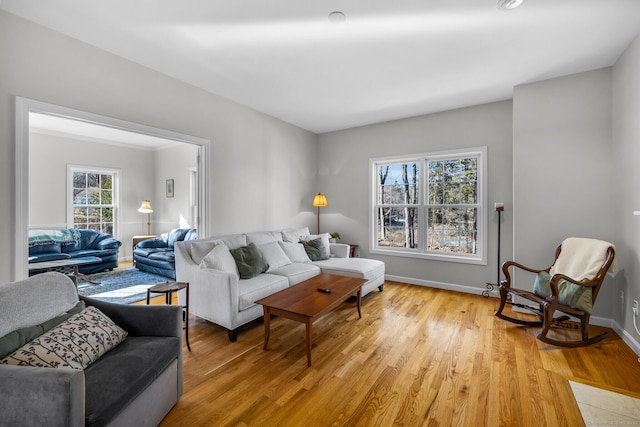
<point x="304" y="303"/>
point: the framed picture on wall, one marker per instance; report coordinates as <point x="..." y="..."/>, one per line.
<point x="169" y="188"/>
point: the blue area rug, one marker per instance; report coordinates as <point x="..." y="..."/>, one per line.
<point x="123" y="286"/>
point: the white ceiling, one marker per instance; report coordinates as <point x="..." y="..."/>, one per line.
<point x="90" y="132"/>
<point x="388" y="60"/>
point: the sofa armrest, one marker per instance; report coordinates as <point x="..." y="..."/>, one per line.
<point x="142" y="320"/>
<point x="156" y="242"/>
<point x="108" y="243"/>
<point x="41" y="396"/>
<point x="339" y="250"/>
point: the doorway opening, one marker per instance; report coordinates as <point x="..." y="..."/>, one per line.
<point x="29" y="112"/>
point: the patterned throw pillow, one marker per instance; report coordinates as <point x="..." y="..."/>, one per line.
<point x="75" y="343"/>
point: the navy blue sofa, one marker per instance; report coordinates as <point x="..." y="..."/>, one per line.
<point x="52" y="245"/>
<point x="156" y="255"/>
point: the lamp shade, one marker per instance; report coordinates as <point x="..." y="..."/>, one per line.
<point x="145" y="207"/>
<point x="320" y="200"/>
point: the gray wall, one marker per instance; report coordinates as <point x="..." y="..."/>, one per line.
<point x="563" y="167"/>
<point x="626" y="176"/>
<point x="172" y="212"/>
<point x="344" y="178"/>
<point x="263" y="171"/>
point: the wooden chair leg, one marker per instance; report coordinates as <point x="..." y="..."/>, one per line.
<point x="499" y="312"/>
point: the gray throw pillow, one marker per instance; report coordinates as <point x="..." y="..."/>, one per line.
<point x="313" y="249"/>
<point x="249" y="261"/>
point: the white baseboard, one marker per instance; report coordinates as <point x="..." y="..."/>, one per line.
<point x="595" y="320"/>
<point x="627" y="338"/>
<point x="440" y="285"/>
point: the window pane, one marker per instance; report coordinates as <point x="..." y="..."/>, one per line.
<point x="79" y="180"/>
<point x="453" y="181"/>
<point x="106" y="197"/>
<point x="398" y="184"/>
<point x="452" y="230"/>
<point x="398" y="227"/>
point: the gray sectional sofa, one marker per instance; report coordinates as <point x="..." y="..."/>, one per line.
<point x="218" y="294"/>
<point x="136" y="383"/>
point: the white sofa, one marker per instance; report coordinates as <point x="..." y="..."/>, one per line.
<point x="221" y="297"/>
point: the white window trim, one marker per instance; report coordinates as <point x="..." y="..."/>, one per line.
<point x="116" y="192"/>
<point x="481" y="257"/>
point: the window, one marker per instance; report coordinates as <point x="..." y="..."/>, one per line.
<point x="430" y="206"/>
<point x="93" y="199"/>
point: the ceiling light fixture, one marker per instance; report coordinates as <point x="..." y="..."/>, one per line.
<point x="509" y="4"/>
<point x="337" y="17"/>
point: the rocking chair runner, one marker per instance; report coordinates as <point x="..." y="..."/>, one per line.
<point x="583" y="263"/>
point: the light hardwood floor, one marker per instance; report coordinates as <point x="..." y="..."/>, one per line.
<point x="419" y="356"/>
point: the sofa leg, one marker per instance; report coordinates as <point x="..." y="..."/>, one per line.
<point x="381" y="287"/>
<point x="233" y="335"/>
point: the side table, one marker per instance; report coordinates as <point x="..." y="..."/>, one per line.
<point x="352" y="250"/>
<point x="168" y="289"/>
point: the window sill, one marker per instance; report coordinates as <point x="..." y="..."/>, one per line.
<point x="430" y="256"/>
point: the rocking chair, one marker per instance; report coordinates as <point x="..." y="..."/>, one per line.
<point x="570" y="286"/>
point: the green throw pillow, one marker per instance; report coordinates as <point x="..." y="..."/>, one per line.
<point x="570" y="294"/>
<point x="313" y="248"/>
<point x="16" y="339"/>
<point x="249" y="261"/>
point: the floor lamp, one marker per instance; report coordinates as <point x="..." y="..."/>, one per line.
<point x="320" y="200"/>
<point x="499" y="208"/>
<point x="145" y="207"/>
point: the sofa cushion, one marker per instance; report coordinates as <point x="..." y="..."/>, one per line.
<point x="45" y="249"/>
<point x="200" y="249"/>
<point x="297" y="272"/>
<point x="262" y="237"/>
<point x="313" y="248"/>
<point x="353" y="267"/>
<point x="295" y="235"/>
<point x="91" y="252"/>
<point x="176" y="235"/>
<point x="220" y="258"/>
<point x="273" y="255"/>
<point x="75" y="343"/>
<point x="325" y="247"/>
<point x="16" y="339"/>
<point x="249" y="261"/>
<point x="233" y="241"/>
<point x="260" y="286"/>
<point x="295" y="251"/>
<point x="35" y="300"/>
<point x="166" y="256"/>
<point x="123" y="373"/>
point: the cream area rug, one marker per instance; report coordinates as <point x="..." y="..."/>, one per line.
<point x="605" y="408"/>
